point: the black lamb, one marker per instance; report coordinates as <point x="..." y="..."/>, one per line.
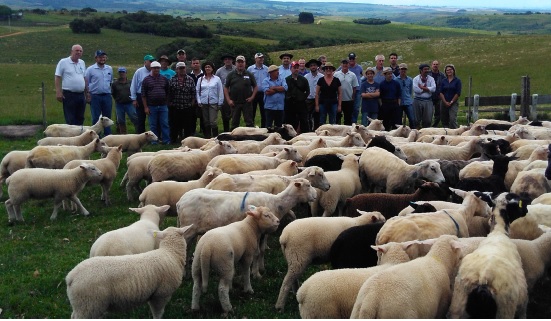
<point x="226" y="136"/>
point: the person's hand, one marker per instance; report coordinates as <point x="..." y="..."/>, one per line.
<point x="146" y="110"/>
<point x="230" y="102"/>
<point x="59" y="97"/>
<point x="88" y="97"/>
<point x="135" y="103"/>
<point x="338" y="109"/>
<point x="250" y="99"/>
<point x="317" y="109"/>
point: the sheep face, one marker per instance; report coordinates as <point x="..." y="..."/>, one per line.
<point x="430" y="170"/>
<point x="317" y="178"/>
<point x="150" y="136"/>
<point x="106" y="122"/>
<point x="227" y="147"/>
<point x="304" y="189"/>
<point x="265" y="218"/>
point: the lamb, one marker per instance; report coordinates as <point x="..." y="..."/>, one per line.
<point x="131" y="143"/>
<point x="185" y="166"/>
<point x="286" y="131"/>
<point x="244" y="163"/>
<point x="391" y="204"/>
<point x="13" y="161"/>
<point x="309" y="240"/>
<point x="223" y="247"/>
<point x="249" y="131"/>
<point x="344" y="183"/>
<point x="542" y="199"/>
<point x="226" y="136"/>
<point x="523" y="142"/>
<point x="170" y="192"/>
<point x="521" y="120"/>
<point x="162" y="151"/>
<point x="333" y="151"/>
<point x="531" y="183"/>
<point x="56" y="157"/>
<point x="335" y="130"/>
<point x="424" y="226"/>
<point x="524" y="152"/>
<point x="350" y="140"/>
<point x="381" y="169"/>
<point x="331" y="294"/>
<point x="375" y="124"/>
<point x="108" y="166"/>
<point x="418" y="152"/>
<point x="382" y="142"/>
<point x="132" y="239"/>
<point x="286" y="168"/>
<point x="302" y="150"/>
<point x="105" y="283"/>
<point x="63" y="130"/>
<point x="244" y="147"/>
<point x="412" y="290"/>
<point x="40" y="183"/>
<point x="441" y="131"/>
<point x="400" y="131"/>
<point x="475" y="130"/>
<point x="137" y="170"/>
<point x="329" y="162"/>
<point x="80" y="140"/>
<point x="196" y="142"/>
<point x="490" y="282"/>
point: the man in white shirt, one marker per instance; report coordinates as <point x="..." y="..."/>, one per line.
<point x="423" y="87"/>
<point x="313" y="76"/>
<point x="349" y="85"/>
<point x="71" y="86"/>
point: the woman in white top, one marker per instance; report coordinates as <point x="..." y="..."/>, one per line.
<point x="210" y="97"/>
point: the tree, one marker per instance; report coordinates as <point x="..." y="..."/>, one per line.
<point x="306" y="17"/>
<point x="5" y="12"/>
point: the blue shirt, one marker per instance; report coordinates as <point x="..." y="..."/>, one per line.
<point x="168" y="73"/>
<point x="99" y="79"/>
<point x="277" y="100"/>
<point x="136" y="85"/>
<point x="283" y="73"/>
<point x="450" y="89"/>
<point x="258" y="73"/>
<point x="369" y="105"/>
<point x="407" y="88"/>
<point x="390" y="90"/>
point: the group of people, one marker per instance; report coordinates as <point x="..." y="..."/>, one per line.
<point x="305" y="94"/>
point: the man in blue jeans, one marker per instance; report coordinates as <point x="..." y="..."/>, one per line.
<point x="100" y="77"/>
<point x="154" y="97"/>
<point x="70" y="86"/>
<point x="120" y="90"/>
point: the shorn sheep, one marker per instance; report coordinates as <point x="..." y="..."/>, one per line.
<point x="40" y="183"/>
<point x="13" y="161"/>
<point x="58" y="156"/>
<point x="64" y="130"/>
<point x="131" y="143"/>
<point x="220" y="249"/>
<point x="309" y="240"/>
<point x="132" y="239"/>
<point x="114" y="283"/>
<point x="80" y="140"/>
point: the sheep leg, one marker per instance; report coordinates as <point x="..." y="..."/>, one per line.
<point x="157" y="306"/>
<point x="196" y="292"/>
<point x="246" y="269"/>
<point x="57" y="205"/>
<point x="224" y="292"/>
<point x="294" y="270"/>
<point x="75" y="199"/>
<point x="521" y="310"/>
<point x="105" y="193"/>
<point x="459" y="300"/>
<point x="11" y="211"/>
<point x="258" y="260"/>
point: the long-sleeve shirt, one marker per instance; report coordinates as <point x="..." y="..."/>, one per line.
<point x="155" y="90"/>
<point x="407" y="87"/>
<point x="181" y="92"/>
<point x="210" y="91"/>
<point x="297" y="89"/>
<point x="450" y="89"/>
<point x="277" y="100"/>
<point x="137" y="79"/>
<point x="420" y="94"/>
<point x="258" y="73"/>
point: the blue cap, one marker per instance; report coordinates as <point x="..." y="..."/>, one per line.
<point x="100" y="53"/>
<point x="122" y="69"/>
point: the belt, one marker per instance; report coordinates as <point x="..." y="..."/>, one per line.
<point x="102" y="94"/>
<point x="73" y="92"/>
<point x="390" y="100"/>
<point x="423" y="99"/>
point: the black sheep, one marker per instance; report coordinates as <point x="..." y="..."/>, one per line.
<point x="225" y="136"/>
<point x="352" y="248"/>
<point x="329" y="162"/>
<point x="284" y="131"/>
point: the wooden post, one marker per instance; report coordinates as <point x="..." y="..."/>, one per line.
<point x="470" y="103"/>
<point x="513" y="108"/>
<point x="525" y="97"/>
<point x="476" y="102"/>
<point x="533" y="108"/>
<point x="43" y="106"/>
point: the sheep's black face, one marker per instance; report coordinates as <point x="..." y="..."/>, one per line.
<point x="485" y="197"/>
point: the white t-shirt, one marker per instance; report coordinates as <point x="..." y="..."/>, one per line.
<point x="72" y="74"/>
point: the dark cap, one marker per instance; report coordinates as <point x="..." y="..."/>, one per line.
<point x="344" y="61"/>
<point x="100" y="53"/>
<point x="180" y="51"/>
<point x="422" y="66"/>
<point x="351" y="55"/>
<point x="227" y="55"/>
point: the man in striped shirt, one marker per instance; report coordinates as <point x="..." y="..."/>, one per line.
<point x="154" y="99"/>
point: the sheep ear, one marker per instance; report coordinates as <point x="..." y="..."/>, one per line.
<point x="252" y="211"/>
<point x="361" y="212"/>
<point x="456" y="245"/>
<point x="379" y="248"/>
<point x="163" y="208"/>
<point x="298" y="184"/>
<point x="138" y="210"/>
<point x="119" y="147"/>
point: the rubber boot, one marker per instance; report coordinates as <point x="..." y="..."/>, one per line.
<point x="207" y="132"/>
<point x="121" y="129"/>
<point x="215" y="131"/>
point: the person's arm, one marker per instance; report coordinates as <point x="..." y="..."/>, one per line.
<point x="144" y="99"/>
<point x="339" y="104"/>
<point x="227" y="95"/>
<point x="431" y="84"/>
<point x="317" y="98"/>
<point x="58" y="91"/>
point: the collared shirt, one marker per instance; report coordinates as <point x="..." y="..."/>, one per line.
<point x="358" y="71"/>
<point x="390" y="90"/>
<point x="137" y="79"/>
<point x="407" y="90"/>
<point x="438" y="77"/>
<point x="379" y="77"/>
<point x="277" y="100"/>
<point x="155" y="90"/>
<point x="284" y="72"/>
<point x="349" y="81"/>
<point x="72" y="74"/>
<point x="419" y="93"/>
<point x="121" y="91"/>
<point x="223" y="72"/>
<point x="396" y="70"/>
<point x="168" y="73"/>
<point x="99" y="79"/>
<point x="181" y="92"/>
<point x="304" y="72"/>
<point x="196" y="77"/>
<point x="240" y="85"/>
<point x="313" y="82"/>
<point x="210" y="91"/>
<point x="258" y="73"/>
<point x="450" y="89"/>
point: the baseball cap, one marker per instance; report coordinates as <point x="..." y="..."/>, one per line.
<point x="100" y="53"/>
<point x="148" y="57"/>
<point x="155" y="64"/>
<point x="122" y="69"/>
<point x="403" y="66"/>
<point x="242" y="58"/>
<point x="180" y="51"/>
<point x="351" y="55"/>
<point x="258" y="55"/>
<point x="294" y="63"/>
<point x="180" y="64"/>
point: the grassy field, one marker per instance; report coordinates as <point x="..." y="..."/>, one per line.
<point x="37" y="255"/>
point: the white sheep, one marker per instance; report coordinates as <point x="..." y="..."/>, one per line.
<point x="195" y="142"/>
<point x="249" y="131"/>
<point x="523" y="142"/>
<point x="335" y="129"/>
<point x="484" y="121"/>
<point x="492" y="277"/>
<point x="162" y="151"/>
<point x="13" y="161"/>
<point x="64" y="130"/>
<point x="40" y="183"/>
<point x="105" y="283"/>
<point x="80" y="140"/>
<point x="542" y="199"/>
<point x="58" y="156"/>
<point x="286" y="168"/>
<point x="418" y="152"/>
<point x="170" y="192"/>
<point x="244" y="163"/>
<point x="185" y="166"/>
<point x="302" y="150"/>
<point x="131" y="143"/>
<point x="334" y="150"/>
<point x="132" y="239"/>
<point x="222" y="248"/>
<point x="441" y="131"/>
<point x="137" y="170"/>
<point x="309" y="240"/>
<point x="345" y="183"/>
<point x="108" y="166"/>
<point x="412" y="290"/>
<point x="531" y="183"/>
<point x="384" y="170"/>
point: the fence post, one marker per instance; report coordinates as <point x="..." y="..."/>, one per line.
<point x="476" y="102"/>
<point x="43" y="106"/>
<point x="533" y="108"/>
<point x="525" y="97"/>
<point x="513" y="108"/>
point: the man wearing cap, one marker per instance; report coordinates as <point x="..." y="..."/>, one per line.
<point x="181" y="105"/>
<point x="120" y="90"/>
<point x="312" y="77"/>
<point x="390" y="93"/>
<point x="406" y="103"/>
<point x="259" y="71"/>
<point x="222" y="73"/>
<point x="165" y="71"/>
<point x="285" y="68"/>
<point x="71" y="85"/>
<point x="394" y="64"/>
<point x="349" y="85"/>
<point x="136" y="91"/>
<point x="240" y="89"/>
<point x="154" y="98"/>
<point x="274" y="88"/>
<point x="180" y="57"/>
<point x="99" y="77"/>
<point x="423" y="87"/>
<point x="298" y="90"/>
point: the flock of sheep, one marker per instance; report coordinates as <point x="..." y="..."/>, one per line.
<point x="381" y="207"/>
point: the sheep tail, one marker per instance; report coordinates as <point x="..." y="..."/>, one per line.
<point x="124" y="179"/>
<point x="205" y="257"/>
<point x="481" y="303"/>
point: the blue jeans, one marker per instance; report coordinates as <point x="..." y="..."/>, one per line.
<point x="274" y="116"/>
<point x="158" y="120"/>
<point x="410" y="115"/>
<point x="328" y="109"/>
<point x="128" y="109"/>
<point x="357" y="106"/>
<point x="74" y="106"/>
<point x="101" y="105"/>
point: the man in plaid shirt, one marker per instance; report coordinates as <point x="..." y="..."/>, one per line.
<point x="181" y="99"/>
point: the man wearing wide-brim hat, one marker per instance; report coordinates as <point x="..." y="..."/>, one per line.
<point x="223" y="72"/>
<point x="285" y="68"/>
<point x="274" y="88"/>
<point x="313" y="61"/>
<point x="165" y="71"/>
<point x="313" y="76"/>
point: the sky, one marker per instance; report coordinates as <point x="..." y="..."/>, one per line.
<point x="505" y="4"/>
